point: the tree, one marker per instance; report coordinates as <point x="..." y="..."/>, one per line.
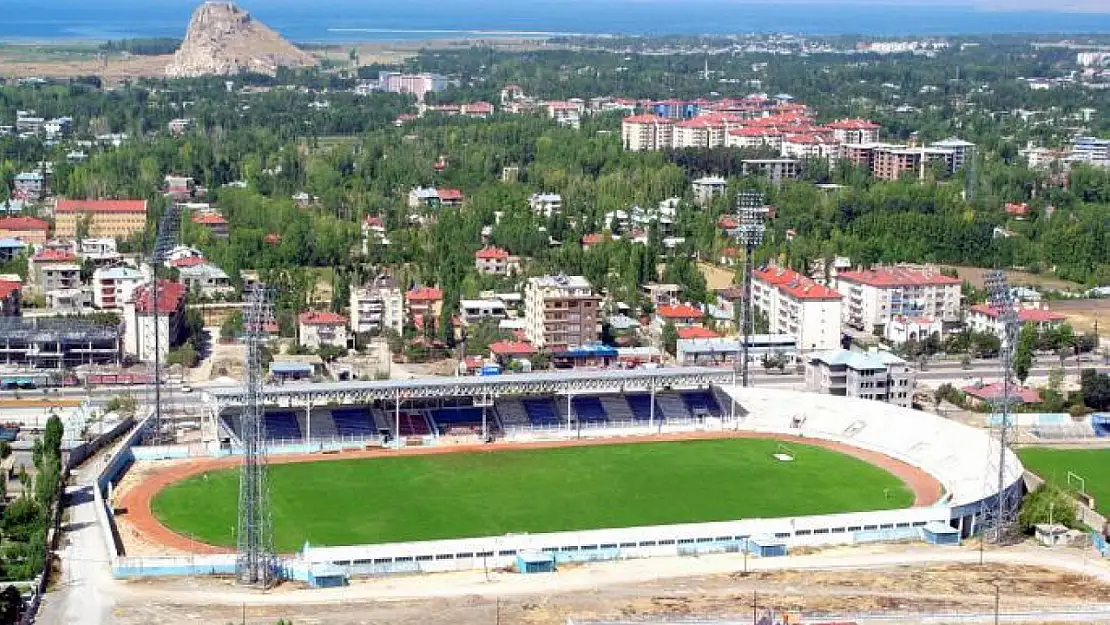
<point x="775" y="360"/>
<point x="1023" y="354"/>
<point x="330" y="353"/>
<point x="125" y="405"/>
<point x="231" y="326"/>
<point x="52" y="435"/>
<point x="1094" y="388"/>
<point x="186" y="356"/>
<point x="1047" y="504"/>
<point x="11" y="604"/>
<point x="5" y="450"/>
<point x="670" y="338"/>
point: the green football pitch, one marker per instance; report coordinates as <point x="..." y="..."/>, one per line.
<point x="1089" y="464"/>
<point x="408" y="498"/>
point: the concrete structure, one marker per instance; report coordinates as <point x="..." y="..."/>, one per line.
<point x="377" y="306"/>
<point x="316" y="329"/>
<point x="29" y="185"/>
<point x="962" y="151"/>
<point x="118" y="219"/>
<point x="495" y="261"/>
<point x="139" y="320"/>
<point x="705" y="131"/>
<point x="980" y="394"/>
<point x="74" y="299"/>
<point x="11" y="298"/>
<point x="424" y="302"/>
<point x="854" y="131"/>
<point x="774" y="169"/>
<point x="546" y="204"/>
<point x="57" y="342"/>
<point x="216" y="224"/>
<point x="647" y="133"/>
<point x="418" y="85"/>
<point x="177" y="127"/>
<point x="797" y="306"/>
<point x="902" y="329"/>
<point x="561" y="312"/>
<point x="206" y="279"/>
<point x="877" y="375"/>
<point x="112" y="287"/>
<point x="708" y="187"/>
<point x="718" y="352"/>
<point x="29" y="230"/>
<point x="11" y="248"/>
<point x="875" y="296"/>
<point x="100" y="251"/>
<point x="475" y="310"/>
<point x="985" y="318"/>
<point x="51" y="270"/>
<point x="809" y="147"/>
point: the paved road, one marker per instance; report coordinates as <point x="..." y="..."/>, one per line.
<point x="84" y="592"/>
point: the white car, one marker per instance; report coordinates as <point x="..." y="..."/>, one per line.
<point x="185" y="388"/>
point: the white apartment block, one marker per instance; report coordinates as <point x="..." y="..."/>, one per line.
<point x="475" y="310"/>
<point x="561" y="312"/>
<point x="112" y="287"/>
<point x="875" y="296"/>
<point x="985" y="318"/>
<point x="877" y="375"/>
<point x="546" y="204"/>
<point x="809" y="146"/>
<point x="855" y="131"/>
<point x="705" y="131"/>
<point x="647" y="133"/>
<point x="316" y="329"/>
<point x="798" y="306"/>
<point x="754" y="137"/>
<point x="377" y="306"/>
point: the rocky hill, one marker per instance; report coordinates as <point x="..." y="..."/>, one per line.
<point x="223" y="39"/>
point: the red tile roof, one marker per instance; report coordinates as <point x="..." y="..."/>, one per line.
<point x="171" y="297"/>
<point x="995" y="391"/>
<point x="897" y="276"/>
<point x="449" y="195"/>
<point x="752" y="131"/>
<point x="682" y="311"/>
<point x="697" y="332"/>
<point x="209" y="220"/>
<point x="730" y="252"/>
<point x="511" y="348"/>
<point x="272" y="238"/>
<point x="1036" y="315"/>
<point x="54" y="256"/>
<point x="7" y="288"/>
<point x="316" y="318"/>
<point x="647" y="119"/>
<point x="727" y="222"/>
<point x="853" y="124"/>
<point x="1017" y="210"/>
<point x="188" y="261"/>
<point x="795" y="284"/>
<point x="424" y="294"/>
<point x="23" y="224"/>
<point x="593" y="239"/>
<point x="374" y="222"/>
<point x="101" y="206"/>
<point x="491" y="253"/>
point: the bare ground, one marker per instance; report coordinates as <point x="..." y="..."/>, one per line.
<point x="975" y="275"/>
<point x="1084" y="313"/>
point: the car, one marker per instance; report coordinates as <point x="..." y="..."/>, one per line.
<point x="185" y="388"/>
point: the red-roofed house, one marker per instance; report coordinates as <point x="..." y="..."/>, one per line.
<point x="755" y="137"/>
<point x="477" y="109"/>
<point x="495" y="261"/>
<point x="316" y="329"/>
<point x="697" y="332"/>
<point x="424" y="301"/>
<point x="796" y="305"/>
<point x="216" y="224"/>
<point x="992" y="393"/>
<point x="985" y="318"/>
<point x="505" y="351"/>
<point x="681" y="315"/>
<point x="107" y="218"/>
<point x="810" y="146"/>
<point x="877" y="295"/>
<point x="272" y="238"/>
<point x="647" y="133"/>
<point x="1019" y="211"/>
<point x="11" y="294"/>
<point x="53" y="270"/>
<point x="188" y="261"/>
<point x="450" y="197"/>
<point x="27" y="229"/>
<point x="139" y="320"/>
<point x="593" y="240"/>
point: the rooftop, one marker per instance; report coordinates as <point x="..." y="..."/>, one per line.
<point x="100" y="206"/>
<point x="424" y="294"/>
<point x="856" y="360"/>
<point x="795" y="284"/>
<point x="54" y="256"/>
<point x="682" y="311"/>
<point x="316" y="318"/>
<point x="491" y="253"/>
<point x="697" y="332"/>
<point x="170" y="297"/>
<point x="897" y="276"/>
<point x="647" y="119"/>
<point x="561" y="282"/>
<point x="995" y="391"/>
<point x="512" y="348"/>
<point x="23" y="223"/>
<point x="1036" y="315"/>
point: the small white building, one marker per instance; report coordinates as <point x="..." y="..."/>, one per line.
<point x="317" y="329"/>
<point x="475" y="310"/>
<point x="903" y="329"/>
<point x="206" y="279"/>
<point x="707" y="188"/>
<point x="986" y="318"/>
<point x="546" y="204"/>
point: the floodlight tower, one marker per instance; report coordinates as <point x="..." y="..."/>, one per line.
<point x="255" y="562"/>
<point x="749" y="210"/>
<point x="164" y="241"/>
<point x="999" y="521"/>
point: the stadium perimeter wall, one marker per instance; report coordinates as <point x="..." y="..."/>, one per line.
<point x="967" y="494"/>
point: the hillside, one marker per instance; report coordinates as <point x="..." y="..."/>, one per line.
<point x="223" y="39"/>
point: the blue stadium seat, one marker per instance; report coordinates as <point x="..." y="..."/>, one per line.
<point x="1101" y="425"/>
<point x="702" y="402"/>
<point x="353" y="422"/>
<point x="641" y="408"/>
<point x="282" y="426"/>
<point x="588" y="409"/>
<point x="541" y="411"/>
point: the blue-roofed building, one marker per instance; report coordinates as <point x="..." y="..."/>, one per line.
<point x="596" y="355"/>
<point x="10" y="248"/>
<point x="877" y="375"/>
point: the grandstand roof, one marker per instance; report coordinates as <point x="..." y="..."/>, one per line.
<point x="509" y="384"/>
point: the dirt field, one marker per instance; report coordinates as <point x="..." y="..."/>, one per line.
<point x="948" y="588"/>
<point x="975" y="275"/>
<point x="716" y="277"/>
<point x="1083" y="314"/>
<point x="144" y="534"/>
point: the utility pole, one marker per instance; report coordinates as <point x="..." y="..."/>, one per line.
<point x="749" y="207"/>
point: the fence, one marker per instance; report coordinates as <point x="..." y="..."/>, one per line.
<point x="612" y="428"/>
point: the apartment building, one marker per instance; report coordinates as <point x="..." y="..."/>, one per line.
<point x="755" y="137"/>
<point x="854" y="131"/>
<point x="205" y="279"/>
<point x="112" y="287"/>
<point x="546" y="204"/>
<point x="561" y="312"/>
<point x="51" y="270"/>
<point x="810" y="146"/>
<point x="496" y="261"/>
<point x="705" y="131"/>
<point x="118" y="219"/>
<point x="141" y="323"/>
<point x="317" y="329"/>
<point x="707" y="188"/>
<point x="29" y="230"/>
<point x="377" y="306"/>
<point x="11" y="298"/>
<point x="417" y="84"/>
<point x="875" y="296"/>
<point x="647" y="132"/>
<point x="962" y="151"/>
<point x="876" y="375"/>
<point x="475" y="310"/>
<point x="986" y="318"/>
<point x="29" y="185"/>
<point x="424" y="302"/>
<point x="796" y="305"/>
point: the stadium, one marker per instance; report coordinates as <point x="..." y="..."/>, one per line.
<point x="441" y="474"/>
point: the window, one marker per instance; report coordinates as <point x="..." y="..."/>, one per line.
<point x="854" y="528"/>
<point x="903" y="525"/>
<point x="445" y="556"/>
<point x="424" y="558"/>
<point x="403" y="559"/>
<point x="628" y="544"/>
<point x="887" y="526"/>
<point x="870" y="527"/>
<point x="485" y="554"/>
<point x="608" y="546"/>
<point x="382" y="560"/>
<point x="569" y="548"/>
<point x="464" y="555"/>
<point x="647" y="543"/>
<point x="589" y="547"/>
<point x="507" y="552"/>
<point x="363" y="562"/>
<point x="666" y="542"/>
<point x="782" y="535"/>
<point x="803" y="533"/>
<point x="823" y="530"/>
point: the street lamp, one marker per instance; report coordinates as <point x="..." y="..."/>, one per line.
<point x="749" y="209"/>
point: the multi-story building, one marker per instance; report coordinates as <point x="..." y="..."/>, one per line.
<point x="423" y="303"/>
<point x="475" y="310"/>
<point x="11" y="298"/>
<point x="179" y="126"/>
<point x="986" y="318"/>
<point x="962" y="151"/>
<point x="54" y="269"/>
<point x="810" y="146"/>
<point x="875" y="296"/>
<point x="216" y="224"/>
<point x="113" y="286"/>
<point x="705" y="131"/>
<point x="205" y="279"/>
<point x="568" y="113"/>
<point x="495" y="261"/>
<point x="140" y="323"/>
<point x="11" y="248"/>
<point x="27" y="229"/>
<point x="877" y="375"/>
<point x="417" y="84"/>
<point x="118" y="219"/>
<point x="796" y="305"/>
<point x="561" y="312"/>
<point x="647" y="132"/>
<point x="1090" y="150"/>
<point x="377" y="306"/>
<point x="708" y="187"/>
<point x="546" y="204"/>
<point x="774" y="169"/>
<point x="30" y="185"/>
<point x="896" y="162"/>
<point x="58" y="342"/>
<point x="755" y="137"/>
<point x="317" y="329"/>
<point x="854" y="131"/>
